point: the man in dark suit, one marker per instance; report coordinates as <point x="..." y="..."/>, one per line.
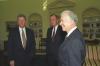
<point x="21" y="44"/>
<point x="55" y="37"/>
<point x="72" y="50"/>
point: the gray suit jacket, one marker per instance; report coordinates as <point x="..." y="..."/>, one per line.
<point x="72" y="50"/>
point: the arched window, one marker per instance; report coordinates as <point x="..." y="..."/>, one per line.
<point x="35" y="23"/>
<point x="91" y="24"/>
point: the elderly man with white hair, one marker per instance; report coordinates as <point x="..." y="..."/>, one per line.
<point x="72" y="50"/>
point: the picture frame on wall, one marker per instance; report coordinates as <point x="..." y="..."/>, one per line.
<point x="10" y="25"/>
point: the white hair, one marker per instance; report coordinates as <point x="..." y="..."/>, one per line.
<point x="71" y="14"/>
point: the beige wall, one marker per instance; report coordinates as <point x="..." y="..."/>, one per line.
<point x="11" y="8"/>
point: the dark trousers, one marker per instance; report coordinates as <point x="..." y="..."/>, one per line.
<point x="25" y="62"/>
<point x="51" y="61"/>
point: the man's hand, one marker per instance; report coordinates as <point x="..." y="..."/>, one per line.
<point x="12" y="63"/>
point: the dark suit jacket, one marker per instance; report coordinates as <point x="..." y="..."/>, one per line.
<point x="72" y="50"/>
<point x="53" y="45"/>
<point x="16" y="52"/>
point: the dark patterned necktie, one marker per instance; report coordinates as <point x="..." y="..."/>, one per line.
<point x="53" y="35"/>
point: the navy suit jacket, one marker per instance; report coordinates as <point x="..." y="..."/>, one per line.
<point x="72" y="50"/>
<point x="16" y="52"/>
<point x="54" y="44"/>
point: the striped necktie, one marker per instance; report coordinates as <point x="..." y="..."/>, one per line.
<point x="23" y="39"/>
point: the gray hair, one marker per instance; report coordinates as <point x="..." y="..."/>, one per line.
<point x="71" y="14"/>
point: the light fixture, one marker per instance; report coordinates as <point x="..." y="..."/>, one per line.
<point x="44" y="5"/>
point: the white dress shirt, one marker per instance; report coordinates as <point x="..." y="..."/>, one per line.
<point x="20" y="30"/>
<point x="71" y="31"/>
<point x="55" y="29"/>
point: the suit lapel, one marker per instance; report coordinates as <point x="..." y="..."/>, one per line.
<point x="27" y="36"/>
<point x="19" y="38"/>
<point x="57" y="31"/>
<point x="66" y="40"/>
<point x="20" y="42"/>
<point x="74" y="33"/>
<point x="51" y="32"/>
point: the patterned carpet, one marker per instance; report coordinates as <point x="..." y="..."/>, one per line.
<point x="92" y="55"/>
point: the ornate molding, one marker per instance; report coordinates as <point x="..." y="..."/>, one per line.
<point x="35" y="17"/>
<point x="61" y="4"/>
<point x="91" y="12"/>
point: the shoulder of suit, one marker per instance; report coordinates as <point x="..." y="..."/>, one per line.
<point x="50" y="28"/>
<point x="76" y="34"/>
<point x="14" y="29"/>
<point x="28" y="29"/>
<point x="59" y="27"/>
<point x="17" y="28"/>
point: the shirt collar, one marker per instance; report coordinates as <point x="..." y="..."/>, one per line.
<point x="21" y="28"/>
<point x="71" y="31"/>
<point x="56" y="27"/>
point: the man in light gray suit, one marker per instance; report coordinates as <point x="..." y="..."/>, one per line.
<point x="72" y="50"/>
